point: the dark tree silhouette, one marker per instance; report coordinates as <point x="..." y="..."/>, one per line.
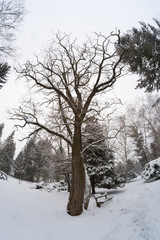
<point x="142" y="54"/>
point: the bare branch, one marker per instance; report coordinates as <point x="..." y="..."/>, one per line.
<point x="101" y="140"/>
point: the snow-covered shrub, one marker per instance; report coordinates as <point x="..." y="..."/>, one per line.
<point x="3" y="175"/>
<point x="59" y="186"/>
<point x="131" y="175"/>
<point x="112" y="182"/>
<point x="62" y="186"/>
<point x="40" y="185"/>
<point x="151" y="170"/>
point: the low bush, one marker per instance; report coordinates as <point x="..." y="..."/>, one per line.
<point x="151" y="170"/>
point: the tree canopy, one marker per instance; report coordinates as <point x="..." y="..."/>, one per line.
<point x="142" y="54"/>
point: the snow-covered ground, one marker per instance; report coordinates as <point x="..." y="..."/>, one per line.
<point x="30" y="214"/>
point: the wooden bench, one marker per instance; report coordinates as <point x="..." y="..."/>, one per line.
<point x="3" y="175"/>
<point x="101" y="198"/>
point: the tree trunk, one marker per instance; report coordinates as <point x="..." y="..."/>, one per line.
<point x="87" y="193"/>
<point x="93" y="185"/>
<point x="75" y="204"/>
<point x="68" y="180"/>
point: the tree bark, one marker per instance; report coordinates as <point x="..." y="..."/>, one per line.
<point x="93" y="185"/>
<point x="75" y="204"/>
<point x="87" y="193"/>
<point x="67" y="177"/>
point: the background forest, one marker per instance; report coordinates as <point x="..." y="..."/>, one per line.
<point x="136" y="143"/>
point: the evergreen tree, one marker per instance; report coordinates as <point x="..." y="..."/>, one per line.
<point x="98" y="157"/>
<point x="33" y="163"/>
<point x="155" y="145"/>
<point x="140" y="149"/>
<point x="43" y="161"/>
<point x="142" y="54"/>
<point x="7" y="154"/>
<point x="127" y="170"/>
<point x="4" y="70"/>
<point x="1" y="130"/>
<point x="29" y="155"/>
<point x="19" y="166"/>
<point x="24" y="164"/>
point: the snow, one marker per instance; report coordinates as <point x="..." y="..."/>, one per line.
<point x="31" y="214"/>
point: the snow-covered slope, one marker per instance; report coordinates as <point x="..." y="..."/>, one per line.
<point x="30" y="214"/>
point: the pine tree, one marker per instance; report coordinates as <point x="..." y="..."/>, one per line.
<point x="98" y="157"/>
<point x="29" y="155"/>
<point x="140" y="149"/>
<point x="19" y="166"/>
<point x="24" y="165"/>
<point x="1" y="130"/>
<point x="142" y="54"/>
<point x="4" y="70"/>
<point x="7" y="154"/>
<point x="43" y="160"/>
<point x="33" y="163"/>
<point x="154" y="146"/>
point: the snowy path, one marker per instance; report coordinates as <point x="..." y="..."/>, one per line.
<point x="138" y="211"/>
<point x="29" y="214"/>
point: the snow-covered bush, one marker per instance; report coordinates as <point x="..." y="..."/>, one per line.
<point x="131" y="175"/>
<point x="59" y="186"/>
<point x="151" y="170"/>
<point x="3" y="175"/>
<point x="112" y="182"/>
<point x="62" y="186"/>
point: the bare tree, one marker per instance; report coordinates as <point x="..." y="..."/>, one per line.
<point x="148" y="115"/>
<point x="124" y="146"/>
<point x="70" y="76"/>
<point x="11" y="14"/>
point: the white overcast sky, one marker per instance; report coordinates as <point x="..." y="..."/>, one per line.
<point x="80" y="17"/>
